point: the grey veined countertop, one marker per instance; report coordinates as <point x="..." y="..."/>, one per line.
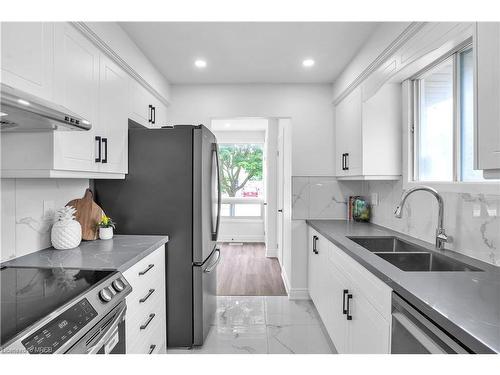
<point x="466" y="304"/>
<point x="119" y="253"/>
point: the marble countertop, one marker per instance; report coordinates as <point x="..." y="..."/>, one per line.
<point x="466" y="304"/>
<point x="119" y="253"/>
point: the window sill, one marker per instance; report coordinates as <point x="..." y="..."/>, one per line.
<point x="492" y="187"/>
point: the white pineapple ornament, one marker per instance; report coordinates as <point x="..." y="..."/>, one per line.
<point x="66" y="232"/>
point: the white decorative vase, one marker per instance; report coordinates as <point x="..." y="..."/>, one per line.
<point x="66" y="234"/>
<point x="106" y="233"/>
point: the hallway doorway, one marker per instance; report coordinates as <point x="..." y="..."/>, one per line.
<point x="246" y="271"/>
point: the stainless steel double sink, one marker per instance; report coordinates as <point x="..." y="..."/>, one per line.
<point x="410" y="257"/>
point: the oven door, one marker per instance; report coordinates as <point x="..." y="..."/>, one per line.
<point x="106" y="337"/>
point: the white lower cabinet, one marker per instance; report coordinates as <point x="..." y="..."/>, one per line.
<point x="353" y="304"/>
<point x="145" y="330"/>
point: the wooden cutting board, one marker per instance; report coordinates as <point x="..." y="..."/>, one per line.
<point x="88" y="214"/>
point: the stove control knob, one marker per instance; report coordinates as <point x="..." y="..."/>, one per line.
<point x="118" y="285"/>
<point x="105" y="295"/>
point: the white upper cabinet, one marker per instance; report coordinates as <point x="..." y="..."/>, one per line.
<point x="487" y="140"/>
<point x="28" y="57"/>
<point x="62" y="63"/>
<point x="368" y="134"/>
<point x="113" y="119"/>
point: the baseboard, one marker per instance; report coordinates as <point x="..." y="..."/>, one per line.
<point x="250" y="238"/>
<point x="271" y="253"/>
<point x="298" y="293"/>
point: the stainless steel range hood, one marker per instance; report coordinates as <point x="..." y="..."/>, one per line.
<point x="22" y="112"/>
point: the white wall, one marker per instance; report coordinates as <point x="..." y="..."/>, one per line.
<point x="26" y="206"/>
<point x="271" y="188"/>
<point x="308" y="106"/>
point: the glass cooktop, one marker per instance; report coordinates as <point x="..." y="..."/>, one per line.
<point x="30" y="294"/>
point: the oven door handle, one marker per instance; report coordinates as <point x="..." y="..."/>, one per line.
<point x="101" y="340"/>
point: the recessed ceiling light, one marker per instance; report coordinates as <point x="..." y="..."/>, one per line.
<point x="308" y="63"/>
<point x="23" y="102"/>
<point x="200" y="63"/>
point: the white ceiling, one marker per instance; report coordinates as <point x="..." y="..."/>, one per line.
<point x="249" y="52"/>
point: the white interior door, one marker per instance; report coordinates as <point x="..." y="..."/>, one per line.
<point x="280" y="191"/>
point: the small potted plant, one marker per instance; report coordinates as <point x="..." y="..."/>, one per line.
<point x="106" y="226"/>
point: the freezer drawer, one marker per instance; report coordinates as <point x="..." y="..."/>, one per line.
<point x="205" y="291"/>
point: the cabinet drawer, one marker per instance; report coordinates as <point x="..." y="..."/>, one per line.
<point x="374" y="290"/>
<point x="148" y="271"/>
<point x="139" y="341"/>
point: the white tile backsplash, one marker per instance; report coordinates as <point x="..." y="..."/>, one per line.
<point x="25" y="226"/>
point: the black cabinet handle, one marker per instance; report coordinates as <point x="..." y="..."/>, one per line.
<point x="349" y="298"/>
<point x="315" y="244"/>
<point x="146" y="270"/>
<point x="153" y="121"/>
<point x="145" y="298"/>
<point x="150" y="318"/>
<point x="347" y="161"/>
<point x="150" y="115"/>
<point x="105" y="144"/>
<point x="151" y="349"/>
<point x="344" y="309"/>
<point x="343" y="162"/>
<point x="99" y="145"/>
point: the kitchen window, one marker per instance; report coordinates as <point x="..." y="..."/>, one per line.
<point x="443" y="121"/>
<point x="242" y="179"/>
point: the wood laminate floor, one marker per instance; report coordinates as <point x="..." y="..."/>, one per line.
<point x="244" y="270"/>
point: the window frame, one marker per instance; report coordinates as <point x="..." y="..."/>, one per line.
<point x="247" y="200"/>
<point x="410" y="179"/>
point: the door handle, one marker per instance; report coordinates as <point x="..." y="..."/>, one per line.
<point x="105" y="144"/>
<point x="344" y="310"/>
<point x="315" y="244"/>
<point x="150" y="114"/>
<point x="349" y="298"/>
<point x="99" y="145"/>
<point x="146" y="323"/>
<point x="145" y="298"/>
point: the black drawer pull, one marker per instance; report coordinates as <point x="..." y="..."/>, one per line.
<point x="145" y="298"/>
<point x="99" y="146"/>
<point x="145" y="325"/>
<point x="315" y="244"/>
<point x="344" y="309"/>
<point x="151" y="349"/>
<point x="146" y="270"/>
<point x="349" y="298"/>
<point x="105" y="144"/>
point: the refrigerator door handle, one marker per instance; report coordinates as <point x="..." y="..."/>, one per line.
<point x="212" y="266"/>
<point x="215" y="163"/>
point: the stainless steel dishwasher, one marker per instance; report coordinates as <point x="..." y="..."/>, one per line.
<point x="414" y="333"/>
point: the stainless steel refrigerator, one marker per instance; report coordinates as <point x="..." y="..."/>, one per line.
<point x="172" y="188"/>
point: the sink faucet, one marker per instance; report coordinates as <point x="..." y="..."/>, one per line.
<point x="441" y="237"/>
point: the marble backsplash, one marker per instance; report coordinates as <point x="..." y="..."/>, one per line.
<point x="27" y="206"/>
<point x="472" y="220"/>
<point x="320" y="197"/>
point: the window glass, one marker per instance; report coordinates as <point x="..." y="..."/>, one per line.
<point x="467" y="118"/>
<point x="435" y="128"/>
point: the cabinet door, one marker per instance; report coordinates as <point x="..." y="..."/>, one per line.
<point x="113" y="116"/>
<point x="369" y="332"/>
<point x="313" y="272"/>
<point x="348" y="134"/>
<point x="77" y="88"/>
<point x="140" y="104"/>
<point x="487" y="43"/>
<point x="334" y="318"/>
<point x="28" y="57"/>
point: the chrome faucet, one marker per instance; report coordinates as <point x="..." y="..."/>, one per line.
<point x="441" y="237"/>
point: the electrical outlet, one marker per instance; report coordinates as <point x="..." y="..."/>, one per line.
<point x="48" y="209"/>
<point x="374" y="199"/>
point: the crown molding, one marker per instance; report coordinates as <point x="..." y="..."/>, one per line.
<point x="103" y="46"/>
<point x="395" y="45"/>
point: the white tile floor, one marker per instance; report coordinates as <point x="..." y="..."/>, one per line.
<point x="260" y="325"/>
